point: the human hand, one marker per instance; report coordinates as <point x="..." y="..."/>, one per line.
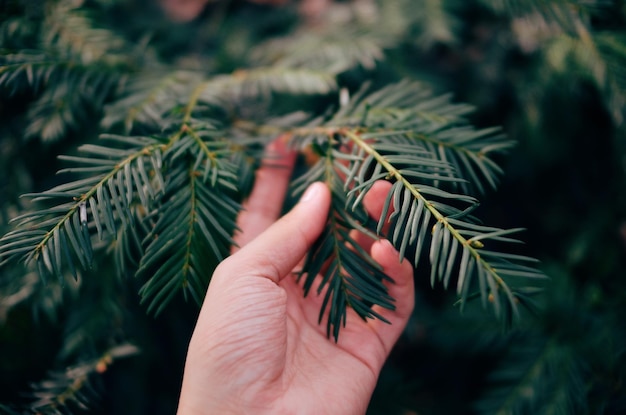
<point x="257" y="346"/>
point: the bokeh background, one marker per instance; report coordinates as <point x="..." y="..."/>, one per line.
<point x="552" y="73"/>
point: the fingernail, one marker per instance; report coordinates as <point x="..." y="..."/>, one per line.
<point x="392" y="249"/>
<point x="311" y="192"/>
<point x="387" y="244"/>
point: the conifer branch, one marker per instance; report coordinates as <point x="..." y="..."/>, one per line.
<point x="391" y="143"/>
<point x="351" y="278"/>
<point x="333" y="52"/>
<point x="185" y="129"/>
<point x="443" y="250"/>
<point x="540" y="375"/>
<point x="69" y="30"/>
<point x="191" y="235"/>
<point x="75" y="387"/>
<point x="147" y="98"/>
<point x="47" y="240"/>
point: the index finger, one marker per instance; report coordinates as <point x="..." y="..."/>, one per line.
<point x="265" y="203"/>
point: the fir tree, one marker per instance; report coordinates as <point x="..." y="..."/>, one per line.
<point x="160" y="127"/>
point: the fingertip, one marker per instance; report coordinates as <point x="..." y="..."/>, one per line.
<point x="278" y="153"/>
<point x="388" y="257"/>
<point x="402" y="290"/>
<point x="375" y="198"/>
<point x="401" y="271"/>
<point x="265" y="203"/>
<point x="315" y="191"/>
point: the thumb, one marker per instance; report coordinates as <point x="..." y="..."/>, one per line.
<point x="275" y="252"/>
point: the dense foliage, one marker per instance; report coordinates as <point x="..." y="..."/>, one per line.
<point x="160" y="126"/>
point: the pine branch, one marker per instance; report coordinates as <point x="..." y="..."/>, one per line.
<point x="353" y="158"/>
<point x="192" y="234"/>
<point x="539" y="377"/>
<point x="70" y="67"/>
<point x="414" y="204"/>
<point x="350" y="276"/>
<point x="76" y="387"/>
<point x="410" y="108"/>
<point x="190" y="174"/>
<point x="162" y="196"/>
<point x="18" y="28"/>
<point x="571" y="38"/>
<point x="612" y="50"/>
<point x="152" y="101"/>
<point x="68" y="29"/>
<point x="67" y="92"/>
<point x="262" y="83"/>
<point x="19" y="288"/>
<point x="148" y="98"/>
<point x="333" y="52"/>
<point x="25" y="69"/>
<point x="53" y="237"/>
<point x="435" y="22"/>
<point x="187" y="177"/>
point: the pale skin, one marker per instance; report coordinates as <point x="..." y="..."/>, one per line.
<point x="257" y="347"/>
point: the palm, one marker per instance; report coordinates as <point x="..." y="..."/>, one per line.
<point x="351" y="363"/>
<point x="285" y="357"/>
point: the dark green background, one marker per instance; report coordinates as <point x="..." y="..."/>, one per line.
<point x="564" y="182"/>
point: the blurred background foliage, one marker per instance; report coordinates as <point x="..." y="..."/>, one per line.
<point x="551" y="72"/>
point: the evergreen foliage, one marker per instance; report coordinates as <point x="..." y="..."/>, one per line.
<point x="161" y="128"/>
